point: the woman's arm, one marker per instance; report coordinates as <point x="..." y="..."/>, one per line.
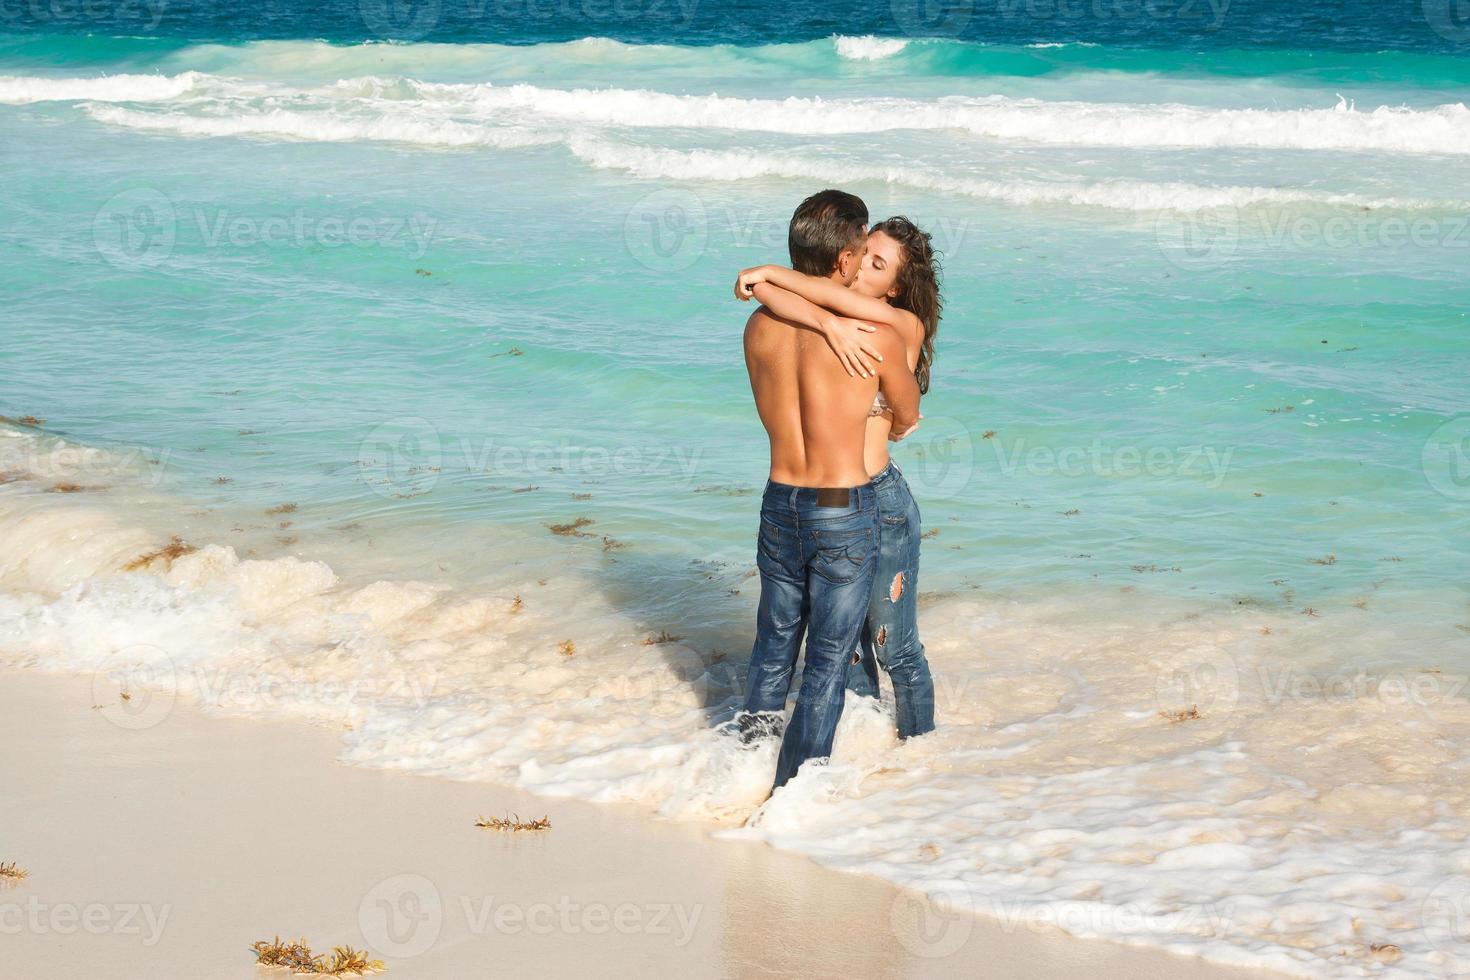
<point x="900" y="388"/>
<point x="825" y="292"/>
<point x="848" y="338"/>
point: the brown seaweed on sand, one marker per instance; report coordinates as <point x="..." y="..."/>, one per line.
<point x="298" y="958"/>
<point x="1175" y="717"/>
<point x="513" y="822"/>
<point x="169" y="552"/>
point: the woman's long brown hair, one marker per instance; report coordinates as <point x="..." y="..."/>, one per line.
<point x="918" y="285"/>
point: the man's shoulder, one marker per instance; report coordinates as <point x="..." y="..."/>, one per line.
<point x="763" y="318"/>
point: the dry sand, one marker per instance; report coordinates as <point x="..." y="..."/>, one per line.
<point x="165" y="851"/>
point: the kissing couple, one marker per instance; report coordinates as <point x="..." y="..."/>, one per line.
<point x="838" y="355"/>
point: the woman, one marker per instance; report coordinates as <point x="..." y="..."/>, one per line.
<point x="897" y="285"/>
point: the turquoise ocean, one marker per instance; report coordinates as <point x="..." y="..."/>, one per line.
<point x="413" y="323"/>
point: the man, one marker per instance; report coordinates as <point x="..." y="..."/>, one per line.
<point x="818" y="541"/>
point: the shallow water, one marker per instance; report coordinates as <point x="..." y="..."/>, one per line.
<point x="364" y="322"/>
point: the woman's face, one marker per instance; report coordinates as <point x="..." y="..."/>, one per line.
<point x="878" y="276"/>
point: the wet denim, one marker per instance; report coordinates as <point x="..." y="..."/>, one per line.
<point x="890" y="637"/>
<point x="816" y="566"/>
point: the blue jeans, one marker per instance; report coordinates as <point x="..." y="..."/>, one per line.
<point x="816" y="565"/>
<point x="890" y="637"/>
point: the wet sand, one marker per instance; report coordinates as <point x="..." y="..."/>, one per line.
<point x="165" y="850"/>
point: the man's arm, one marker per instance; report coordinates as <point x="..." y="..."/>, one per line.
<point x="897" y="382"/>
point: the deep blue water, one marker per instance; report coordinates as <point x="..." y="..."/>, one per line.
<point x="1441" y="26"/>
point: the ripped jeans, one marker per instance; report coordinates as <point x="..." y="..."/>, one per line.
<point x="890" y="637"/>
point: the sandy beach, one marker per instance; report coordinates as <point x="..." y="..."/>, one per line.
<point x="166" y="851"/>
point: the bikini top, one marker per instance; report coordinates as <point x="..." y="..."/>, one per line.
<point x="880" y="405"/>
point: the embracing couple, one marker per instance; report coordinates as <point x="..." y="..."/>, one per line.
<point x="838" y="355"/>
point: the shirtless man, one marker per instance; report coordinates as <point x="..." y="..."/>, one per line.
<point x="817" y="547"/>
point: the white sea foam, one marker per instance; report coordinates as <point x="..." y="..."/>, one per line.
<point x="25" y="89"/>
<point x="1443" y="129"/>
<point x="1319" y="830"/>
<point x="322" y="127"/>
<point x="1116" y="194"/>
<point x="868" y="47"/>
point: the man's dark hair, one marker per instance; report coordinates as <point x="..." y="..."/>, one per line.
<point x="823" y="225"/>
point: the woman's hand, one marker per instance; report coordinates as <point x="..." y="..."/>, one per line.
<point x="848" y="340"/>
<point x="746" y="282"/>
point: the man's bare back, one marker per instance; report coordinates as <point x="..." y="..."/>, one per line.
<point x="814" y="412"/>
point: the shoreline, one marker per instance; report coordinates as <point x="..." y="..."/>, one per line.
<point x="177" y="845"/>
<point x="1129" y="770"/>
